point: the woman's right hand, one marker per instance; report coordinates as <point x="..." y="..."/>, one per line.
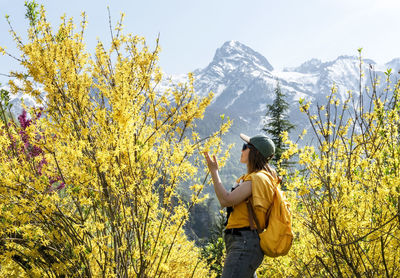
<point x="211" y="163"/>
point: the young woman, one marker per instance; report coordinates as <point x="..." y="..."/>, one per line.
<point x="243" y="252"/>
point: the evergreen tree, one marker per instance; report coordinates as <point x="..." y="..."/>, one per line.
<point x="278" y="123"/>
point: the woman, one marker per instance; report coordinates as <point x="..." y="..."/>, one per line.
<point x="243" y="252"/>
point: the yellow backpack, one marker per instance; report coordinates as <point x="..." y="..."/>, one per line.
<point x="277" y="237"/>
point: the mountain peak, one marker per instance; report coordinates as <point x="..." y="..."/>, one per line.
<point x="238" y="53"/>
<point x="310" y="66"/>
<point x="394" y="65"/>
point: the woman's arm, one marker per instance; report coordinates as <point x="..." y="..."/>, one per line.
<point x="226" y="198"/>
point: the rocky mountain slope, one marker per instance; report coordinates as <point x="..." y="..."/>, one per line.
<point x="243" y="82"/>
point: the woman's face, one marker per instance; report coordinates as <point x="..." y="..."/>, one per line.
<point x="244" y="158"/>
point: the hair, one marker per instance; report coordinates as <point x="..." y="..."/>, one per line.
<point x="257" y="162"/>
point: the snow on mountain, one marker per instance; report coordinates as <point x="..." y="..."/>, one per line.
<point x="17" y="99"/>
<point x="234" y="53"/>
<point x="394" y="65"/>
<point x="170" y="80"/>
<point x="243" y="82"/>
<point x="343" y="73"/>
<point x="298" y="84"/>
<point x="232" y="61"/>
<point x="310" y="66"/>
<point x="240" y="77"/>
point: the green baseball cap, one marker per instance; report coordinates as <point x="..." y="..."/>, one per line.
<point x="262" y="143"/>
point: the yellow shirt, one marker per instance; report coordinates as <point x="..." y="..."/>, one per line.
<point x="262" y="193"/>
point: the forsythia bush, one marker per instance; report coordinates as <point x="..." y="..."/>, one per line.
<point x="346" y="197"/>
<point x="88" y="182"/>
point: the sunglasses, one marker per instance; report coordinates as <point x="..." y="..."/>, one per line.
<point x="246" y="146"/>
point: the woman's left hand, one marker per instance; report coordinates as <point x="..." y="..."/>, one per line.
<point x="211" y="163"/>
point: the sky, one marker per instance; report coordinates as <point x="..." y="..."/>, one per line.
<point x="286" y="32"/>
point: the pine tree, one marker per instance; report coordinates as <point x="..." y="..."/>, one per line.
<point x="278" y="123"/>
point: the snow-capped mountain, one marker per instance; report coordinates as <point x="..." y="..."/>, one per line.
<point x="17" y="99"/>
<point x="243" y="82"/>
<point x="233" y="61"/>
<point x="394" y="65"/>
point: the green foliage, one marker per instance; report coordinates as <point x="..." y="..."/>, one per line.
<point x="32" y="12"/>
<point x="278" y="124"/>
<point x="5" y="104"/>
<point x="201" y="217"/>
<point x="214" y="251"/>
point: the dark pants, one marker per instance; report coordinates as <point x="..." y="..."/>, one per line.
<point x="243" y="255"/>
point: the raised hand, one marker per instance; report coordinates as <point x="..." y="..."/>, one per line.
<point x="211" y="163"/>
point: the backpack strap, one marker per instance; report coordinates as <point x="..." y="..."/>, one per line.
<point x="252" y="216"/>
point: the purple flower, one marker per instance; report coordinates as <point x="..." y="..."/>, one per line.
<point x="35" y="151"/>
<point x="53" y="180"/>
<point x="24" y="136"/>
<point x="61" y="186"/>
<point x="41" y="163"/>
<point x="23" y="121"/>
